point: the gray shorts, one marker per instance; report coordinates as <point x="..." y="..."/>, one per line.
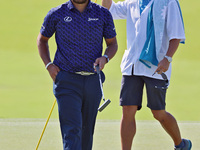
<point x="132" y="91"/>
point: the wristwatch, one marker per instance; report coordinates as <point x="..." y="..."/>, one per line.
<point x="169" y="58"/>
<point x="106" y="56"/>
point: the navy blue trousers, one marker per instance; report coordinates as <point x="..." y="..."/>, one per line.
<point x="78" y="99"/>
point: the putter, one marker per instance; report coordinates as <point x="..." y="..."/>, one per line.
<point x="106" y="102"/>
<point x="166" y="82"/>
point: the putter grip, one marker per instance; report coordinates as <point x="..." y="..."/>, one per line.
<point x="97" y="69"/>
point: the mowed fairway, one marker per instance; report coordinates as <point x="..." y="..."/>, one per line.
<point x="26" y="88"/>
<point x="24" y="134"/>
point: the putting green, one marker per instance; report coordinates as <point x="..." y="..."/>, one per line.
<point x="23" y="134"/>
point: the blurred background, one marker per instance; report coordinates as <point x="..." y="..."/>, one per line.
<point x="26" y="87"/>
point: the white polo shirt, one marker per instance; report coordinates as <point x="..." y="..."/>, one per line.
<point x="136" y="34"/>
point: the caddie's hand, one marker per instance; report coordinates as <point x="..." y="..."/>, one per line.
<point x="101" y="61"/>
<point x="53" y="71"/>
<point x="163" y="66"/>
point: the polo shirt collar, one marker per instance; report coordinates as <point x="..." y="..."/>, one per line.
<point x="71" y="6"/>
<point x="89" y="6"/>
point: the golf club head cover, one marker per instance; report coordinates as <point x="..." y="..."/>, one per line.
<point x="104" y="105"/>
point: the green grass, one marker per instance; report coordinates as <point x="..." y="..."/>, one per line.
<point x="26" y="88"/>
<point x="23" y="134"/>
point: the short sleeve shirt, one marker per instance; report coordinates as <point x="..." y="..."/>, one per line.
<point x="79" y="36"/>
<point x="136" y="34"/>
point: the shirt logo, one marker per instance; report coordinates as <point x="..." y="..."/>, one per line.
<point x="93" y="19"/>
<point x="68" y="19"/>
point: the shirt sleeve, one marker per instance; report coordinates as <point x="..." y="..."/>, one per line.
<point x="48" y="26"/>
<point x="109" y="27"/>
<point x="175" y="25"/>
<point x="119" y="9"/>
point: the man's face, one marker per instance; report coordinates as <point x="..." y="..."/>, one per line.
<point x="80" y="1"/>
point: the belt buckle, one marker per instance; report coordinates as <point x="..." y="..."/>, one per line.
<point x="84" y="73"/>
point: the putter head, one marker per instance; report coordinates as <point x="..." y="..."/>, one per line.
<point x="104" y="105"/>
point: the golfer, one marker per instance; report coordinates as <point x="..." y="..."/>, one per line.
<point x="154" y="30"/>
<point x="79" y="27"/>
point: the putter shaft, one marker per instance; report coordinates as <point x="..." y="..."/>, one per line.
<point x="106" y="102"/>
